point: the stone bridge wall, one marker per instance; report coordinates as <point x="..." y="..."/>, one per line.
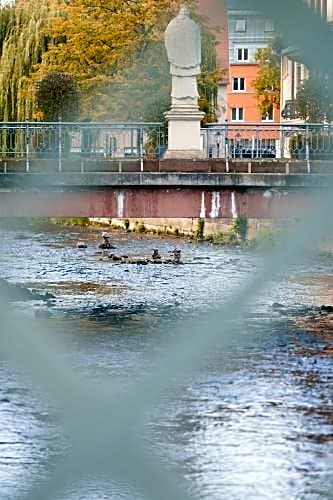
<point x="78" y="164"/>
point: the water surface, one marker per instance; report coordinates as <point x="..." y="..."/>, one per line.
<point x="254" y="422"/>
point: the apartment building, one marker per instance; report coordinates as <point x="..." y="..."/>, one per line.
<point x="249" y="31"/>
<point x="293" y="72"/>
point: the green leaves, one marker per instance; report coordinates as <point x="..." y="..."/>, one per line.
<point x="314" y="99"/>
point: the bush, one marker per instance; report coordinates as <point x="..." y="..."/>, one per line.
<point x="240" y="227"/>
<point x="71" y="221"/>
<point x="140" y="228"/>
<point x="223" y="238"/>
<point x="57" y="97"/>
<point x="199" y="232"/>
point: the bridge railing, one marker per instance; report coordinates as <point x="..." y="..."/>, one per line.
<point x="79" y="142"/>
<point x="304" y="141"/>
<point x="86" y="146"/>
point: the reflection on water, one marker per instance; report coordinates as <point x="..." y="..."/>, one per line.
<point x="256" y="422"/>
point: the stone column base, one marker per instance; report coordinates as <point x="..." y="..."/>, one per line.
<point x="184" y="140"/>
<point x="185" y="154"/>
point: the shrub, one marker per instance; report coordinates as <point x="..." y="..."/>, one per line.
<point x="57" y="96"/>
<point x="199" y="232"/>
<point x="140" y="228"/>
<point x="223" y="238"/>
<point x="240" y="227"/>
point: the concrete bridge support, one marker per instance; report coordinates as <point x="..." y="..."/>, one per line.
<point x="155" y="203"/>
<point x="158" y="195"/>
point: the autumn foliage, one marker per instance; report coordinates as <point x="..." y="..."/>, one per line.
<point x="113" y="49"/>
<point x="268" y="82"/>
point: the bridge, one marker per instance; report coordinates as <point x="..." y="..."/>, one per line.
<point x="158" y="194"/>
<point x="118" y="170"/>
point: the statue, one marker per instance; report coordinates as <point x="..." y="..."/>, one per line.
<point x="183" y="45"/>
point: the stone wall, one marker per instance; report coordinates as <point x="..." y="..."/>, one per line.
<point x="189" y="226"/>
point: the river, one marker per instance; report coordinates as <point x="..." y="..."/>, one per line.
<point x="255" y="421"/>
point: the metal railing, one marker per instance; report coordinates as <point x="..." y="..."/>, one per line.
<point x="305" y="141"/>
<point x="28" y="142"/>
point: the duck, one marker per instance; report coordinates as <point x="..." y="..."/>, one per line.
<point x="81" y="245"/>
<point x="114" y="257"/>
<point x="106" y="244"/>
<point x="155" y="255"/>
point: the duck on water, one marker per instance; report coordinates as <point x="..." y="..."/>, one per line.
<point x="105" y="244"/>
<point x="175" y="258"/>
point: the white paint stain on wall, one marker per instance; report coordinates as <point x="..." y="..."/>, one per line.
<point x="216" y="205"/>
<point x="233" y="205"/>
<point x="203" y="206"/>
<point x="120" y="205"/>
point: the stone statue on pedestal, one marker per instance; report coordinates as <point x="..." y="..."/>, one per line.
<point x="183" y="46"/>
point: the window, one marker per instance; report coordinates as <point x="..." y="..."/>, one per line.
<point x="238" y="84"/>
<point x="237" y="114"/>
<point x="269" y="26"/>
<point x="269" y="116"/>
<point x="242" y="54"/>
<point x="240" y="26"/>
<point x="267" y="144"/>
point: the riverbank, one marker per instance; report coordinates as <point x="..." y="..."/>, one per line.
<point x="233" y="231"/>
<point x="222" y="232"/>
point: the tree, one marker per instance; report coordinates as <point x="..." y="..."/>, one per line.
<point x="209" y="78"/>
<point x="57" y="97"/>
<point x="268" y="81"/>
<point x="314" y="100"/>
<point x="115" y="50"/>
<point x="22" y="43"/>
<point x="6" y="17"/>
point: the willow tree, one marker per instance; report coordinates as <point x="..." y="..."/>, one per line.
<point x="115" y="50"/>
<point x="23" y="41"/>
<point x="6" y="18"/>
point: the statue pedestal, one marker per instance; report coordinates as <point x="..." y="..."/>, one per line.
<point x="184" y="141"/>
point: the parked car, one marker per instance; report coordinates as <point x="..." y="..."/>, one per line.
<point x="253" y="153"/>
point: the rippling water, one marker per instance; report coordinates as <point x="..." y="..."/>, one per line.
<point x="256" y="421"/>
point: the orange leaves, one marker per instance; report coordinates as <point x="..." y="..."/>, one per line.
<point x="97" y="41"/>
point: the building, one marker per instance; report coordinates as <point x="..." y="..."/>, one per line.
<point x="293" y="72"/>
<point x="249" y="31"/>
